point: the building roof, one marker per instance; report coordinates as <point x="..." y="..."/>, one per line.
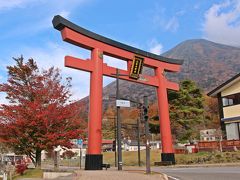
<point x="59" y="23"/>
<point x="135" y="143"/>
<point x="224" y="86"/>
<point x="104" y="141"/>
<point x="231" y="119"/>
<point x="107" y="141"/>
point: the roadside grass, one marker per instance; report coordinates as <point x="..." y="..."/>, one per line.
<point x="30" y="173"/>
<point x="131" y="158"/>
<point x="208" y="157"/>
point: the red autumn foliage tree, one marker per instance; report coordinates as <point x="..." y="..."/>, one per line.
<point x="39" y="115"/>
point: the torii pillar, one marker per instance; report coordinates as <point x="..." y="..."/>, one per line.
<point x="99" y="46"/>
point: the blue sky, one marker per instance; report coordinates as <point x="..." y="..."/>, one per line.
<point x="151" y="25"/>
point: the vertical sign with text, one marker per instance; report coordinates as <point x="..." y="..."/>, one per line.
<point x="136" y="68"/>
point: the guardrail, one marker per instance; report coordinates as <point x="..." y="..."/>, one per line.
<point x="225" y="145"/>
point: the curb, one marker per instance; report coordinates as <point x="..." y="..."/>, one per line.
<point x="204" y="165"/>
<point x="165" y="177"/>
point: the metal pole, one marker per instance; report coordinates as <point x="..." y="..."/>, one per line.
<point x="148" y="170"/>
<point x="119" y="143"/>
<point x="80" y="158"/>
<point x="115" y="136"/>
<point x="138" y="139"/>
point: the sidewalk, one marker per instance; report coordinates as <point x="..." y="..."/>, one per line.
<point x="113" y="174"/>
<point x="130" y="173"/>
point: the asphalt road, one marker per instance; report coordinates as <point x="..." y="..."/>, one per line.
<point x="200" y="173"/>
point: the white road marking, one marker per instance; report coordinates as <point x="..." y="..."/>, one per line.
<point x="173" y="178"/>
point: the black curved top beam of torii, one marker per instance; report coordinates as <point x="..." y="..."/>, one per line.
<point x="59" y="23"/>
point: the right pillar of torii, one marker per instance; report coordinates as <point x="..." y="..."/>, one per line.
<point x="164" y="120"/>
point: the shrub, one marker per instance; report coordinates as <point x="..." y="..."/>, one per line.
<point x="68" y="154"/>
<point x="20" y="168"/>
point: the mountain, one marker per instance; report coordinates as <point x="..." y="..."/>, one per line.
<point x="207" y="63"/>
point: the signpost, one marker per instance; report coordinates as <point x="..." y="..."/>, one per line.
<point x="80" y="145"/>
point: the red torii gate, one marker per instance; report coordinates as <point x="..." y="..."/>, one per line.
<point x="99" y="46"/>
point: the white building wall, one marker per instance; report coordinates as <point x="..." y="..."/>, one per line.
<point x="232" y="131"/>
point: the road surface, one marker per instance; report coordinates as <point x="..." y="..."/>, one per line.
<point x="200" y="173"/>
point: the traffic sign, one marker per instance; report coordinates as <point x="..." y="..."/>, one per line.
<point x="80" y="142"/>
<point x="122" y="103"/>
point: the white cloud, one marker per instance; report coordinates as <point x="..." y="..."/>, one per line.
<point x="196" y="6"/>
<point x="162" y="20"/>
<point x="172" y="25"/>
<point x="156" y="47"/>
<point x="43" y="11"/>
<point x="9" y="4"/>
<point x="64" y="13"/>
<point x="180" y="13"/>
<point x="53" y="4"/>
<point x="222" y="23"/>
<point x="113" y="62"/>
<point x="53" y="55"/>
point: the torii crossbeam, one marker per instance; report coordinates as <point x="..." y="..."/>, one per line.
<point x="100" y="46"/>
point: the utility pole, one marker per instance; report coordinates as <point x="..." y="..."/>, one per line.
<point x="119" y="138"/>
<point x="145" y="113"/>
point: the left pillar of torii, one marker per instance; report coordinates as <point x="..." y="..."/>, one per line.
<point x="94" y="157"/>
